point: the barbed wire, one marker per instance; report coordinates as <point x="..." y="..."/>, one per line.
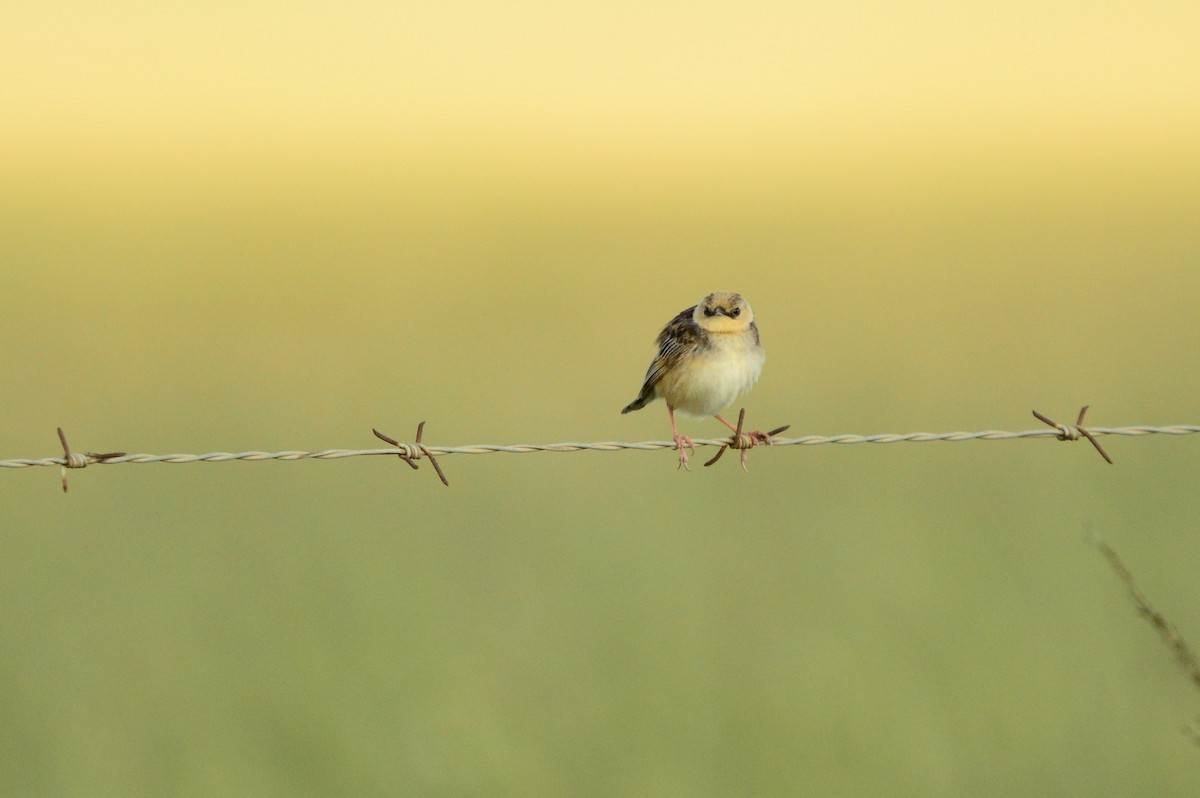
<point x="412" y="452"/>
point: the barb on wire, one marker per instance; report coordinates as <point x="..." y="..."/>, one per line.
<point x="410" y="454"/>
<point x="78" y="460"/>
<point x="744" y="441"/>
<point x="1073" y="432"/>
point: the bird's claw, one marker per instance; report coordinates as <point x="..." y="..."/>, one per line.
<point x="682" y="443"/>
<point x="758" y="436"/>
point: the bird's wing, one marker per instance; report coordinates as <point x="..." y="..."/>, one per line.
<point x="681" y="336"/>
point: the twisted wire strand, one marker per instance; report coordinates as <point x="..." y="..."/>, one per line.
<point x="599" y="446"/>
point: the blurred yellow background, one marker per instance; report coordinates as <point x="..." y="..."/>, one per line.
<point x="275" y="226"/>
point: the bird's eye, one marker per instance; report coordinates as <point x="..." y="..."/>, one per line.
<point x="735" y="312"/>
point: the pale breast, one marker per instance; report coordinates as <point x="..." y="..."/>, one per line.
<point x="711" y="380"/>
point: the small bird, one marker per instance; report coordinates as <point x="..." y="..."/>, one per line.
<point x="708" y="356"/>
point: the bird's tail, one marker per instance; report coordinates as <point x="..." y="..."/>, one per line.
<point x="644" y="398"/>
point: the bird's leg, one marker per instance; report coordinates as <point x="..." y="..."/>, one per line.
<point x="726" y="423"/>
<point x="682" y="442"/>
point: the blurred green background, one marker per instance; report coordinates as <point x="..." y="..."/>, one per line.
<point x="274" y="226"/>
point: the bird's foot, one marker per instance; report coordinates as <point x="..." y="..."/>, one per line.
<point x="758" y="436"/>
<point x="682" y="444"/>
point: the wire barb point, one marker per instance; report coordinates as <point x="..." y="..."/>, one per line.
<point x="410" y="453"/>
<point x="79" y="460"/>
<point x="1074" y="431"/>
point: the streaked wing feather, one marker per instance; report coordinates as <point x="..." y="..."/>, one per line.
<point x="679" y="336"/>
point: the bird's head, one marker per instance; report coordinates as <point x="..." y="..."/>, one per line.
<point x="723" y="312"/>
